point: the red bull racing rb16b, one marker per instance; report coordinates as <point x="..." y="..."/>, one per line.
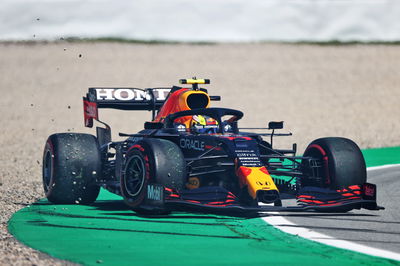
<point x="193" y="157"/>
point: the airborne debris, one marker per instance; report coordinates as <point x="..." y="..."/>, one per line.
<point x="80" y="55"/>
<point x="69" y="106"/>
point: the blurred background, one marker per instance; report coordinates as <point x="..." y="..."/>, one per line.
<point x="202" y="21"/>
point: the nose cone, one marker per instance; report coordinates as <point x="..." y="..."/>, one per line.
<point x="267" y="196"/>
<point x="259" y="183"/>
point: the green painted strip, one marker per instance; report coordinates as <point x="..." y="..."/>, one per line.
<point x="113" y="235"/>
<point x="108" y="233"/>
<point x="382" y="156"/>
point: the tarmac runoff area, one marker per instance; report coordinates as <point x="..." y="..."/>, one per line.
<point x="376" y="234"/>
<point x="369" y="232"/>
<point x="319" y="91"/>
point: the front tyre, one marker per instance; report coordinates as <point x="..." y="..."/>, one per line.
<point x="336" y="163"/>
<point x="71" y="163"/>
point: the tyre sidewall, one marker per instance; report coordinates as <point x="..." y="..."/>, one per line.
<point x="48" y="173"/>
<point x="164" y="163"/>
<point x="76" y="162"/>
<point x="142" y="151"/>
<point x="343" y="162"/>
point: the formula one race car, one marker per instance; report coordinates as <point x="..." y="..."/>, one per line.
<point x="194" y="157"/>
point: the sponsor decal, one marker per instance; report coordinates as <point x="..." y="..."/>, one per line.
<point x="248" y="158"/>
<point x="154" y="192"/>
<point x="90" y="109"/>
<point x="192" y="144"/>
<point x="122" y="94"/>
<point x="193" y="182"/>
<point x="369" y="190"/>
<point x="89" y="112"/>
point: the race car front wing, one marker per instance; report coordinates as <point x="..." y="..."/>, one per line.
<point x="221" y="201"/>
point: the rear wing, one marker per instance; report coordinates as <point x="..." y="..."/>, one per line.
<point x="123" y="99"/>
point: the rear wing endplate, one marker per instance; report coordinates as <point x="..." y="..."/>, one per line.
<point x="123" y="99"/>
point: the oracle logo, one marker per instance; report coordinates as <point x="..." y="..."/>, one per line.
<point x="192" y="144"/>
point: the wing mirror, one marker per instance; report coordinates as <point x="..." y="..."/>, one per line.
<point x="275" y="125"/>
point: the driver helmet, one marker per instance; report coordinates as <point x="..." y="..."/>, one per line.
<point x="203" y="124"/>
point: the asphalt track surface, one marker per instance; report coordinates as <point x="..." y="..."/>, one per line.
<point x="379" y="229"/>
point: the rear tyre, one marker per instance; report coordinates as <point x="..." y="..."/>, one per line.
<point x="71" y="163"/>
<point x="156" y="161"/>
<point x="341" y="164"/>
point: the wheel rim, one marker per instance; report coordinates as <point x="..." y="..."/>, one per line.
<point x="317" y="175"/>
<point x="47" y="169"/>
<point x="134" y="175"/>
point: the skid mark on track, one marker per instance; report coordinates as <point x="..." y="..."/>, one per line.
<point x="242" y="236"/>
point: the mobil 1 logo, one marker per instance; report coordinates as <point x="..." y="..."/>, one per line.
<point x="155" y="194"/>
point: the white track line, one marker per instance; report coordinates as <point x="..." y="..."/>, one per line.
<point x="286" y="226"/>
<point x="382" y="167"/>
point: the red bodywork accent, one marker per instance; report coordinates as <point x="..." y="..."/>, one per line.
<point x="172" y="194"/>
<point x="264" y="170"/>
<point x="325" y="159"/>
<point x="90" y="112"/>
<point x="242" y="172"/>
<point x="136" y="147"/>
<point x="344" y="195"/>
<point x="238" y="137"/>
<point x="193" y="201"/>
<point x="306" y="196"/>
<point x="170" y="105"/>
<point x="216" y="202"/>
<point x="354" y="187"/>
<point x="209" y="147"/>
<point x="176" y="102"/>
<point x="312" y="201"/>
